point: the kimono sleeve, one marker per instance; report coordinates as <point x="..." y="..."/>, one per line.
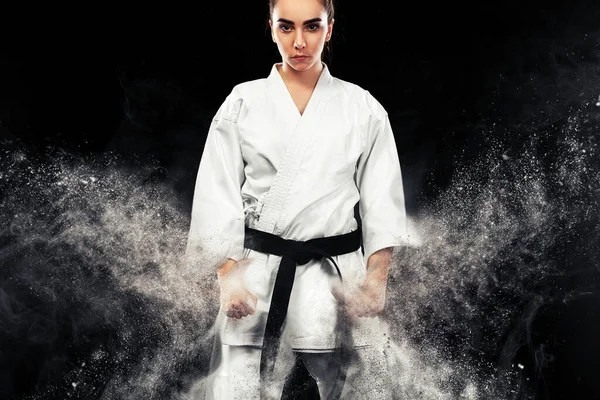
<point x="217" y="222"/>
<point x="379" y="181"/>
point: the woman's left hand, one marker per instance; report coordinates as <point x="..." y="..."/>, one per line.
<point x="365" y="301"/>
<point x="369" y="298"/>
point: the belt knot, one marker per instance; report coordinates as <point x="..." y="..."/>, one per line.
<point x="300" y="252"/>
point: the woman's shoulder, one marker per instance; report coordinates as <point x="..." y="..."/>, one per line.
<point x="360" y="97"/>
<point x="242" y="92"/>
<point x="249" y="88"/>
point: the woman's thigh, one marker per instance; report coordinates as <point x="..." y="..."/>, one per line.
<point x="238" y="374"/>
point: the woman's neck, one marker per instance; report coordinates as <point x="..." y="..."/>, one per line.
<point x="306" y="78"/>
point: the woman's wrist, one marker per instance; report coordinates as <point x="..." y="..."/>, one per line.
<point x="376" y="276"/>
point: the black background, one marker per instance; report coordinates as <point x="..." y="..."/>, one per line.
<point x="149" y="85"/>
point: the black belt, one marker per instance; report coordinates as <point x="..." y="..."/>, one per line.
<point x="293" y="253"/>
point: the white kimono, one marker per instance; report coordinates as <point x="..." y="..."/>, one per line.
<point x="299" y="177"/>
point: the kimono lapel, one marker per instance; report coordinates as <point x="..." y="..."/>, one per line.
<point x="305" y="127"/>
<point x="288" y="102"/>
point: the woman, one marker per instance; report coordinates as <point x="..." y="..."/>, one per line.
<point x="288" y="157"/>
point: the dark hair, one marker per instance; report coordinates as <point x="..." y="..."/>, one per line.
<point x="328" y="5"/>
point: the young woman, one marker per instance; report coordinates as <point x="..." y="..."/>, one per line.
<point x="286" y="160"/>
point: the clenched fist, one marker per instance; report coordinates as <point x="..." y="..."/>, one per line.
<point x="236" y="301"/>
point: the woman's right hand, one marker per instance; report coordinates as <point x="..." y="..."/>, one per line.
<point x="236" y="301"/>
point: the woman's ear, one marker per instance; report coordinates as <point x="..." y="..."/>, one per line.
<point x="329" y="30"/>
<point x="272" y="34"/>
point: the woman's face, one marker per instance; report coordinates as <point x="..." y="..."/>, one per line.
<point x="299" y="27"/>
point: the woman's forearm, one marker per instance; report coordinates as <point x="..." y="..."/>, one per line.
<point x="226" y="266"/>
<point x="378" y="264"/>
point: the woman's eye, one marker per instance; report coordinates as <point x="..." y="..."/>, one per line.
<point x="310" y="28"/>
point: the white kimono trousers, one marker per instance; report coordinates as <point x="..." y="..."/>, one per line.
<point x="299" y="177"/>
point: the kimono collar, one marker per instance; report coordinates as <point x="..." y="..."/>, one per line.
<point x="324" y="79"/>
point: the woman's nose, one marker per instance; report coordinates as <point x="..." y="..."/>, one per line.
<point x="299" y="42"/>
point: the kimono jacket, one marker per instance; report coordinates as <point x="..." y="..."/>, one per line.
<point x="298" y="176"/>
